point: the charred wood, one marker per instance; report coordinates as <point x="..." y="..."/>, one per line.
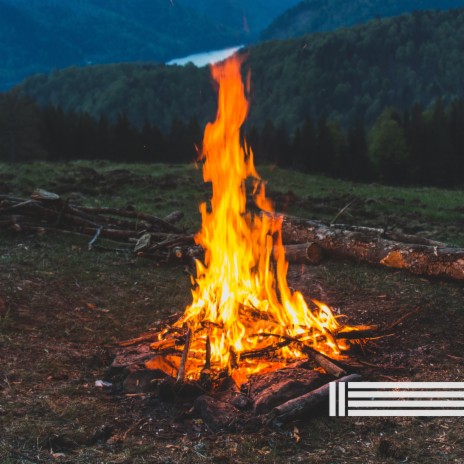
<point x="302" y="406"/>
<point x="185" y="352"/>
<point x="285" y="389"/>
<point x="327" y="364"/>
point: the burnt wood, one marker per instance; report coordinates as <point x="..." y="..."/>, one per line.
<point x="301" y="407"/>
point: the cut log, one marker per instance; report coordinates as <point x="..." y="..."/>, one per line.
<point x="170" y="390"/>
<point x="143" y="243"/>
<point x="215" y="414"/>
<point x="41" y="194"/>
<point x="259" y="383"/>
<point x="436" y="261"/>
<point x="142" y="381"/>
<point x="389" y="235"/>
<point x="174" y="217"/>
<point x="286" y="389"/>
<point x="132" y="357"/>
<point x="302" y="406"/>
<point x="304" y="253"/>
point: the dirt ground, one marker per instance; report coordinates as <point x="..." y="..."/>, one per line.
<point x="62" y="308"/>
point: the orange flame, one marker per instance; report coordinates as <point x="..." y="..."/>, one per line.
<point x="241" y="299"/>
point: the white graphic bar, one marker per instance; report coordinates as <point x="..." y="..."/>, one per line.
<point x="405" y="394"/>
<point x="341" y="398"/>
<point x="395" y="385"/>
<point x="402" y="399"/>
<point x="406" y="404"/>
<point x="332" y="399"/>
<point x="406" y="412"/>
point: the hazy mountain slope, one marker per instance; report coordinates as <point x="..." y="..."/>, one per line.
<point x="39" y="35"/>
<point x="248" y="16"/>
<point x="24" y="53"/>
<point x="311" y="16"/>
<point x="347" y="74"/>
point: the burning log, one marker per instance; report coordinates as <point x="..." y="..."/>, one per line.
<point x="425" y="258"/>
<point x="326" y="363"/>
<point x="185" y="353"/>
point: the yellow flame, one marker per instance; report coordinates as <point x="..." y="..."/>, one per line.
<point x="241" y="289"/>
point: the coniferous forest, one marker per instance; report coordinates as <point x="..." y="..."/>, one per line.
<point x="382" y="101"/>
<point x="416" y="146"/>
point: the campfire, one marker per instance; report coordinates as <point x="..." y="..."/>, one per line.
<point x="244" y="319"/>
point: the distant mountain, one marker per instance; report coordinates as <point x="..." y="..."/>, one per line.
<point x="346" y="75"/>
<point x="27" y="46"/>
<point x="40" y="35"/>
<point x="251" y="16"/>
<point x="311" y="16"/>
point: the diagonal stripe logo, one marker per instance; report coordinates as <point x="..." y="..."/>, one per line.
<point x="445" y="399"/>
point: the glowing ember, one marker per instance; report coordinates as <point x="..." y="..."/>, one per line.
<point x="241" y="300"/>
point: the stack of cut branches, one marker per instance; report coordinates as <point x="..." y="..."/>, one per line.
<point x="45" y="211"/>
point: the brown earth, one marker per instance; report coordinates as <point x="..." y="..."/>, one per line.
<point x="62" y="308"/>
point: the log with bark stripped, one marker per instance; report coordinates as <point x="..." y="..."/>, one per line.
<point x="425" y="258"/>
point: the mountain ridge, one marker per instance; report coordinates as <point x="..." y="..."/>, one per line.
<point x="310" y="16"/>
<point x="110" y="31"/>
<point x="344" y="75"/>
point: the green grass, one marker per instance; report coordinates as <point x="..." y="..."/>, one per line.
<point x="161" y="189"/>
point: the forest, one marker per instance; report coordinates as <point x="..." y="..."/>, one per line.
<point x="42" y="35"/>
<point x="413" y="147"/>
<point x="378" y="102"/>
<point x="344" y="75"/>
<point x="310" y="16"/>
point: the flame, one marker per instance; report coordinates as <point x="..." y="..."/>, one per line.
<point x="241" y="299"/>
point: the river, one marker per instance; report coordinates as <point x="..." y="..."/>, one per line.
<point x="205" y="58"/>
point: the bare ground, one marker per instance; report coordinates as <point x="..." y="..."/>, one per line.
<point x="62" y="308"/>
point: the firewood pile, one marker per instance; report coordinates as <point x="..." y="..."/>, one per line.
<point x="293" y="392"/>
<point x="154" y="364"/>
<point x="147" y="234"/>
<point x="306" y="241"/>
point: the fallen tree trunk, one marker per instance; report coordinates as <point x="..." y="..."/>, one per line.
<point x="361" y="244"/>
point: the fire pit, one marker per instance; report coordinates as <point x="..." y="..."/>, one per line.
<point x="246" y="337"/>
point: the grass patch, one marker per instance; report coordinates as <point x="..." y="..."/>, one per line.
<point x="160" y="189"/>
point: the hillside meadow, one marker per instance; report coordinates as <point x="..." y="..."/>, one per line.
<point x="63" y="308"/>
